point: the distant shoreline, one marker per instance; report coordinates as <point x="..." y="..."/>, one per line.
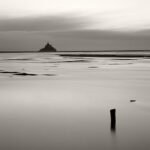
<point x="89" y="51"/>
<point x="18" y="51"/>
<point x="102" y="53"/>
<point x="106" y="55"/>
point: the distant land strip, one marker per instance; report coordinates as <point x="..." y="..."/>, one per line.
<point x="106" y="55"/>
<point x="83" y="51"/>
<point x="107" y="51"/>
<point x="100" y="53"/>
<point x="18" y="51"/>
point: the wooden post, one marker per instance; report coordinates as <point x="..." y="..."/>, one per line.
<point x="113" y="120"/>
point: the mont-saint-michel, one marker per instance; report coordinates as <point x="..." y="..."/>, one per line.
<point x="48" y="48"/>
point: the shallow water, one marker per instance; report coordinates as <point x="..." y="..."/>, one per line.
<point x="69" y="109"/>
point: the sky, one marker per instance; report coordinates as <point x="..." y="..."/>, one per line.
<point x="74" y="24"/>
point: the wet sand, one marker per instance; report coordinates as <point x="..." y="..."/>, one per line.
<point x="71" y="110"/>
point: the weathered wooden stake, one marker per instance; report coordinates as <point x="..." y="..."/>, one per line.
<point x="113" y="119"/>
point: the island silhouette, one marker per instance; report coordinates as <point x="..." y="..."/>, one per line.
<point x="48" y="48"/>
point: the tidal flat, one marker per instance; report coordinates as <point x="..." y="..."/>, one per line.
<point x="66" y="105"/>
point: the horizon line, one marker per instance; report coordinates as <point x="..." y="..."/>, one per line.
<point x="125" y="50"/>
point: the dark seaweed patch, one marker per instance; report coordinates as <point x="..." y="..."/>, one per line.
<point x="23" y="59"/>
<point x="132" y="101"/>
<point x="65" y="61"/>
<point x="121" y="64"/>
<point x="8" y="72"/>
<point x="25" y="74"/>
<point x="93" y="67"/>
<point x="114" y="64"/>
<point x="49" y="74"/>
<point x="17" y="73"/>
<point x="73" y="61"/>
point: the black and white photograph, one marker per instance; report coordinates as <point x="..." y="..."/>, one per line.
<point x="74" y="75"/>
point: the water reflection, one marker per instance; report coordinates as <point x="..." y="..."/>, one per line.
<point x="113" y="128"/>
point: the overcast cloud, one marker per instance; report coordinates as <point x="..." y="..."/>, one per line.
<point x="77" y="25"/>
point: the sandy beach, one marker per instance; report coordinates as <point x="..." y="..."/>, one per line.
<point x="65" y="105"/>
